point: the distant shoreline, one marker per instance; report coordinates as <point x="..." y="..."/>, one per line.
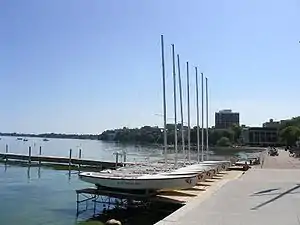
<point x="54" y="136"/>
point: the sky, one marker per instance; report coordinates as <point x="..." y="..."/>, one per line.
<point x="78" y="66"/>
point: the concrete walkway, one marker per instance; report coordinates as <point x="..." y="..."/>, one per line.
<point x="270" y="195"/>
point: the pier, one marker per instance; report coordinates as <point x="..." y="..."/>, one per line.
<point x="62" y="162"/>
<point x="266" y="194"/>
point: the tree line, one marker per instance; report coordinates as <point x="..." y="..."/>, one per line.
<point x="155" y="135"/>
<point x="54" y="135"/>
<point x="289" y="131"/>
<point x="288" y="134"/>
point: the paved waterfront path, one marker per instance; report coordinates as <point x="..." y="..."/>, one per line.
<point x="281" y="162"/>
<point x="262" y="196"/>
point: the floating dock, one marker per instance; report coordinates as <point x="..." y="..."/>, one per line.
<point x="57" y="160"/>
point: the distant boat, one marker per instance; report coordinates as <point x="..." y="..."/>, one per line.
<point x="45" y="139"/>
<point x="19" y="139"/>
<point x="25" y="139"/>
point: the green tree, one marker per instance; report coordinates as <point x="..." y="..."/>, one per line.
<point x="237" y="131"/>
<point x="224" y="142"/>
<point x="216" y="134"/>
<point x="290" y="135"/>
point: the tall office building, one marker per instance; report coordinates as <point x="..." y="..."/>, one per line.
<point x="226" y="118"/>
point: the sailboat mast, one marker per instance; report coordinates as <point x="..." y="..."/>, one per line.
<point x="197" y="104"/>
<point x="206" y="89"/>
<point x="181" y="108"/>
<point x="164" y="97"/>
<point x="202" y="118"/>
<point x="188" y="105"/>
<point x="175" y="108"/>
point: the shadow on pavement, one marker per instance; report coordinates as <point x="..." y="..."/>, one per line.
<point x="277" y="197"/>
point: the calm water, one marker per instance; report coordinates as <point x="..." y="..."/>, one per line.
<point x="90" y="149"/>
<point x="37" y="197"/>
<point x="44" y="196"/>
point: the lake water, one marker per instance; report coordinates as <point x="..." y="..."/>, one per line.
<point x="40" y="196"/>
<point x="91" y="149"/>
<point x="37" y="197"/>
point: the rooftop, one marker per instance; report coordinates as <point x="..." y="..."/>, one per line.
<point x="226" y="111"/>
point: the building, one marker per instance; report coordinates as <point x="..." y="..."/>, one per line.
<point x="224" y="119"/>
<point x="260" y="136"/>
<point x="272" y="123"/>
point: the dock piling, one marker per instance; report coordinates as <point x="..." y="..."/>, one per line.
<point x="79" y="156"/>
<point x="6" y="151"/>
<point x="117" y="158"/>
<point x="40" y="153"/>
<point x="70" y="160"/>
<point x="29" y="155"/>
<point x="124" y="158"/>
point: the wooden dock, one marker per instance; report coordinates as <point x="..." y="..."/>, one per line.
<point x="57" y="160"/>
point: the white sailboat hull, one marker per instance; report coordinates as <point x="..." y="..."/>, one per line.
<point x="201" y="175"/>
<point x="224" y="164"/>
<point x="209" y="171"/>
<point x="139" y="182"/>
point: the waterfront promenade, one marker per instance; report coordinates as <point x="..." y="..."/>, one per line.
<point x="264" y="195"/>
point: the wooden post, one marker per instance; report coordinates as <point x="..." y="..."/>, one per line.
<point x="6" y="151"/>
<point x="40" y="154"/>
<point x="124" y="157"/>
<point x="70" y="160"/>
<point x="117" y="159"/>
<point x="29" y="155"/>
<point x="79" y="156"/>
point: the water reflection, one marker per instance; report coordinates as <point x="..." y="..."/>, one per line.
<point x="39" y="172"/>
<point x="28" y="173"/>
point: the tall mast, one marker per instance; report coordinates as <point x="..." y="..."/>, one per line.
<point x="175" y="108"/>
<point x="188" y="105"/>
<point x="206" y="89"/>
<point x="181" y="108"/>
<point x="164" y="97"/>
<point x="197" y="104"/>
<point x="202" y="118"/>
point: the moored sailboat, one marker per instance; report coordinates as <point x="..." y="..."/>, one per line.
<point x="141" y="179"/>
<point x="127" y="181"/>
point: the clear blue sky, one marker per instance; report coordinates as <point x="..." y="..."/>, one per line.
<point x="85" y="66"/>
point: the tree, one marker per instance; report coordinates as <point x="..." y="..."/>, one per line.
<point x="224" y="142"/>
<point x="217" y="134"/>
<point x="237" y="131"/>
<point x="290" y="135"/>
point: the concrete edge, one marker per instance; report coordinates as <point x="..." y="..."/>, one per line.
<point x="175" y="216"/>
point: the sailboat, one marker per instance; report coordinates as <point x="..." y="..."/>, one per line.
<point x="210" y="167"/>
<point x="125" y="181"/>
<point x="145" y="181"/>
